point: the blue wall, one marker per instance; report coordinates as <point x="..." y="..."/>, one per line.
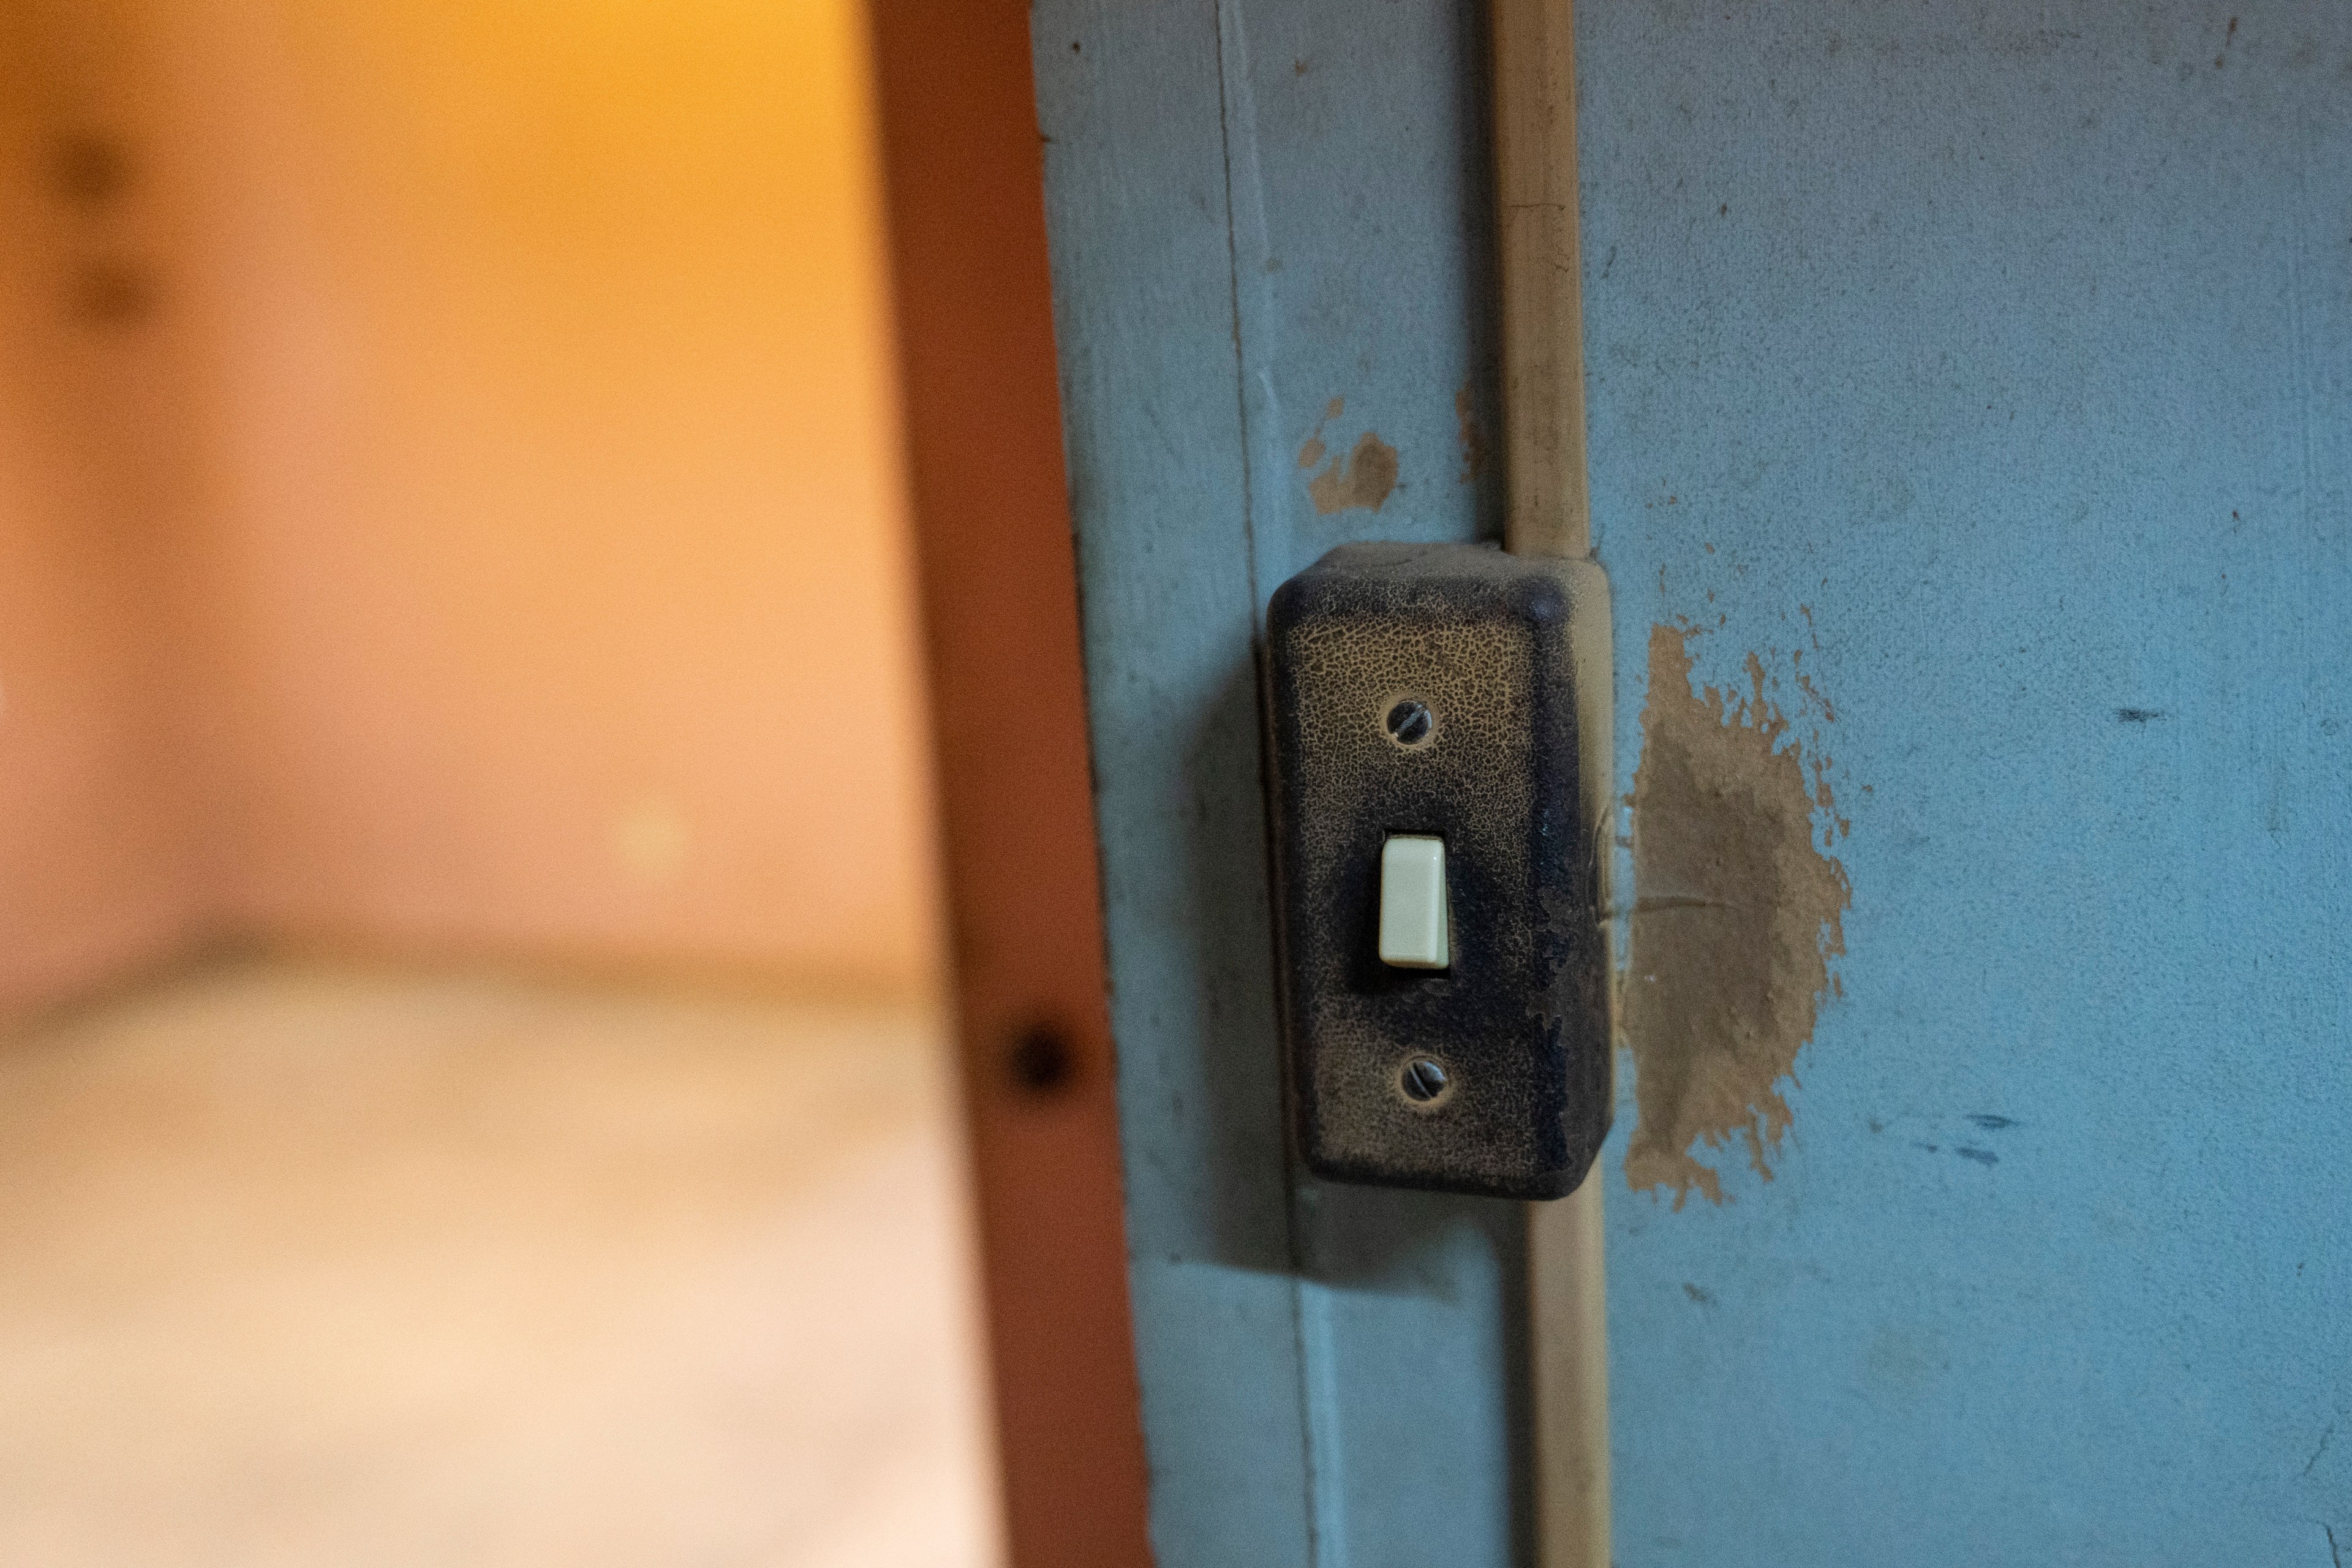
<point x="1256" y="210"/>
<point x="1989" y="366"/>
<point x="2014" y="342"/>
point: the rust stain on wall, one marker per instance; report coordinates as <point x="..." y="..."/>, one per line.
<point x="1364" y="478"/>
<point x="1739" y="911"/>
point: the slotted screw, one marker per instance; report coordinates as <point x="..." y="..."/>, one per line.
<point x="1409" y="721"/>
<point x="1423" y="1080"/>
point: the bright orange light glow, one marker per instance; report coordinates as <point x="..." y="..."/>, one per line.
<point x="528" y="562"/>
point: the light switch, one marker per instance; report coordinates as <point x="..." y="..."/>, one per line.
<point x="1416" y="930"/>
<point x="1437" y="774"/>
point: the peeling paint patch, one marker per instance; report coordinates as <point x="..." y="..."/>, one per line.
<point x="1739" y="912"/>
<point x="1312" y="453"/>
<point x="1364" y="478"/>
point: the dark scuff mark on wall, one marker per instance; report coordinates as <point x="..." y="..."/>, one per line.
<point x="89" y="169"/>
<point x="1739" y="912"/>
<point x="110" y="293"/>
<point x="91" y="173"/>
<point x="1474" y="440"/>
<point x="1364" y="478"/>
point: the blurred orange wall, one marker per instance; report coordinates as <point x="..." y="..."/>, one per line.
<point x="100" y="859"/>
<point x="539" y="582"/>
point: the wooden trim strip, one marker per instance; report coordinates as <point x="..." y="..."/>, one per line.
<point x="1550" y="513"/>
<point x="1542" y="311"/>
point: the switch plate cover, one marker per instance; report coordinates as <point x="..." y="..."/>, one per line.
<point x="1462" y="693"/>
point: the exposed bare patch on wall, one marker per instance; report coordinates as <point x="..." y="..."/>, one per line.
<point x="1739" y="909"/>
<point x="1362" y="478"/>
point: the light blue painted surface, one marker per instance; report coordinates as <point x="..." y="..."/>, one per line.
<point x="2012" y="345"/>
<point x="1256" y="210"/>
<point x="2016" y="343"/>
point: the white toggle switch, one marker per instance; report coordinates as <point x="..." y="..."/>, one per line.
<point x="1416" y="926"/>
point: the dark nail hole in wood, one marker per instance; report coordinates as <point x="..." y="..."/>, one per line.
<point x="1042" y="1061"/>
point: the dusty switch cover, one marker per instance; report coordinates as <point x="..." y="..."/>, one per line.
<point x="1431" y="692"/>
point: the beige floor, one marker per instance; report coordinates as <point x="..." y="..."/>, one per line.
<point x="319" y="1266"/>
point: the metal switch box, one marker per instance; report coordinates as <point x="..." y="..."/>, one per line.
<point x="1426" y="738"/>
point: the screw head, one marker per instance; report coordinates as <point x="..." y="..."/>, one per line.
<point x="1423" y="1080"/>
<point x="1409" y="721"/>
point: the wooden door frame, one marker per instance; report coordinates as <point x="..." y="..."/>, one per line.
<point x="991" y="505"/>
